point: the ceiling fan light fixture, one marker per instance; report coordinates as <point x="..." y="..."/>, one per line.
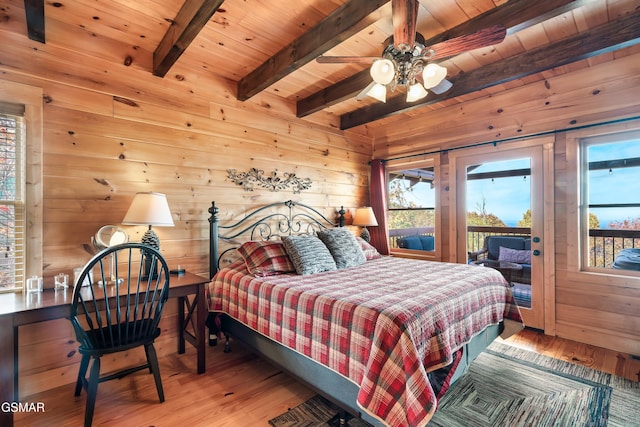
<point x="382" y="71"/>
<point x="433" y="74"/>
<point x="415" y="92"/>
<point x="379" y="92"/>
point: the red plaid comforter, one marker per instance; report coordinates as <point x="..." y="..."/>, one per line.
<point x="383" y="324"/>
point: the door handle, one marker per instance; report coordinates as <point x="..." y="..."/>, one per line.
<point x="536" y="239"/>
<point x="536" y="252"/>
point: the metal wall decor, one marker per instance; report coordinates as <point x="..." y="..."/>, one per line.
<point x="271" y="182"/>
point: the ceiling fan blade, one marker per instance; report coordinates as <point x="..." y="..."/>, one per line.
<point x="346" y="59"/>
<point x="404" y="18"/>
<point x="486" y="37"/>
<point x="441" y="87"/>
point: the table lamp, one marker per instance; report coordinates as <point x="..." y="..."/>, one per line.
<point x="364" y="217"/>
<point x="149" y="209"/>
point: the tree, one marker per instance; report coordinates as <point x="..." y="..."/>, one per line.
<point x="481" y="217"/>
<point x="397" y="191"/>
<point x="594" y="222"/>
<point x="526" y="219"/>
<point x="409" y="215"/>
<point x="491" y="220"/>
<point x="627" y="224"/>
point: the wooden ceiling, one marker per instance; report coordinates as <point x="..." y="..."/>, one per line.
<point x="272" y="45"/>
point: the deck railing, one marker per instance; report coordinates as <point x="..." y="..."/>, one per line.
<point x="604" y="244"/>
<point x="399" y="233"/>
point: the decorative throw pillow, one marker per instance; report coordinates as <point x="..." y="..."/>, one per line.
<point x="344" y="247"/>
<point x="369" y="251"/>
<point x="514" y="255"/>
<point x="266" y="258"/>
<point x="308" y="254"/>
<point x="428" y="243"/>
<point x="410" y="242"/>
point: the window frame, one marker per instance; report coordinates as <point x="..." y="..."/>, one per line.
<point x="31" y="97"/>
<point x="426" y="161"/>
<point x="577" y="242"/>
<point x="17" y="201"/>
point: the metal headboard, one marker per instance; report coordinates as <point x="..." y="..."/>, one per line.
<point x="266" y="223"/>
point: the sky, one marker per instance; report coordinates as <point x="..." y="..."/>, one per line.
<point x="509" y="198"/>
<point x="618" y="186"/>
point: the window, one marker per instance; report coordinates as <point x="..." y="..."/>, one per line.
<point x="411" y="196"/>
<point x="610" y="201"/>
<point x="20" y="200"/>
<point x="12" y="197"/>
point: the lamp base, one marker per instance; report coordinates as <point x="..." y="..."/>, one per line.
<point x="365" y="234"/>
<point x="150" y="238"/>
<point x="147" y="269"/>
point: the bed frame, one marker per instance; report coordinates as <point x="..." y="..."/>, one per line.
<point x="292" y="218"/>
<point x="265" y="223"/>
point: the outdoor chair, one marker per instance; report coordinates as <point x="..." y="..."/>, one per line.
<point x="491" y="250"/>
<point x="115" y="310"/>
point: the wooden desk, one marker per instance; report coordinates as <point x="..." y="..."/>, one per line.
<point x="17" y="310"/>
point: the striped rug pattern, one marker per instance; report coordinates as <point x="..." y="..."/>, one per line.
<point x="508" y="386"/>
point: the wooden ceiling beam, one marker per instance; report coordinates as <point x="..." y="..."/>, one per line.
<point x="344" y="22"/>
<point x="614" y="35"/>
<point x="515" y="15"/>
<point x="192" y="17"/>
<point x="34" y="11"/>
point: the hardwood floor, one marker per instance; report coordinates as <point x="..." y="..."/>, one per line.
<point x="609" y="361"/>
<point x="240" y="389"/>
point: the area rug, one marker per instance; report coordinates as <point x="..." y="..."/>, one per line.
<point x="508" y="386"/>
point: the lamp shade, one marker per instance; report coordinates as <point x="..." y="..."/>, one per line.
<point x="382" y="71"/>
<point x="149" y="209"/>
<point x="416" y="91"/>
<point x="378" y="92"/>
<point x="365" y="217"/>
<point x="433" y="74"/>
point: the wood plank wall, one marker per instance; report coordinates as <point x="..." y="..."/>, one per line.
<point x="608" y="90"/>
<point x="111" y="131"/>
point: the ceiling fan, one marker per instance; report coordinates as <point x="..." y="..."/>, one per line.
<point x="406" y="61"/>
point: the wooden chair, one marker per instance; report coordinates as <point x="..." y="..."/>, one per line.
<point x="115" y="310"/>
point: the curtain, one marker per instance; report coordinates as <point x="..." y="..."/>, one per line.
<point x="378" y="199"/>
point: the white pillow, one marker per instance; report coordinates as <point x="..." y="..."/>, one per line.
<point x="514" y="255"/>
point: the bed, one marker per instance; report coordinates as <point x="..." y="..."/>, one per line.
<point x="382" y="337"/>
